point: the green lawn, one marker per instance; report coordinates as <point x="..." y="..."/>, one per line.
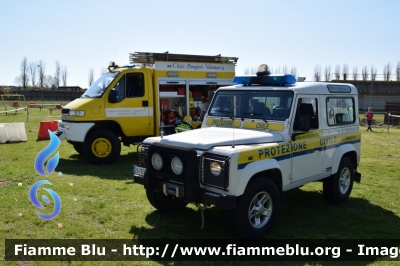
<point x="102" y="202"/>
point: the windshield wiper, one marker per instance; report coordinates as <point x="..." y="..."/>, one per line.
<point x="85" y="96"/>
<point x="263" y="119"/>
<point x="258" y="116"/>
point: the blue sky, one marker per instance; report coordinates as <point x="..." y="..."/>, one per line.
<point x="302" y="34"/>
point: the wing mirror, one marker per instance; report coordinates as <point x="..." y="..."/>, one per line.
<point x="112" y="96"/>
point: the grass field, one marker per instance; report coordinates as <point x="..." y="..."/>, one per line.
<point x="102" y="202"/>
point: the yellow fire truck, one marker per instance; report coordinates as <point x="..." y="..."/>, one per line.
<point x="148" y="97"/>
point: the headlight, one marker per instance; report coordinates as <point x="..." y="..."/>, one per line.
<point x="157" y="161"/>
<point x="77" y="113"/>
<point x="215" y="168"/>
<point x="177" y="165"/>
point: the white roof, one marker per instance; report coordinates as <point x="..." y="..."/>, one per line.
<point x="299" y="87"/>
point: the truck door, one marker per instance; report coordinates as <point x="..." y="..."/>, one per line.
<point x="132" y="110"/>
<point x="306" y="149"/>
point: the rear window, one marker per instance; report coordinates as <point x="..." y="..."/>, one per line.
<point x="339" y="89"/>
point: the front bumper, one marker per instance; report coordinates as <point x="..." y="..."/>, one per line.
<point x="60" y="134"/>
<point x="206" y="197"/>
<point x="73" y="131"/>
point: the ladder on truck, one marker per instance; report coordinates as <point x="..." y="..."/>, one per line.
<point x="150" y="58"/>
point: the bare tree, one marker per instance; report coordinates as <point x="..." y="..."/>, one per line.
<point x="41" y="70"/>
<point x="355" y="73"/>
<point x="373" y="72"/>
<point x="285" y="70"/>
<point x="49" y="82"/>
<point x="64" y="75"/>
<point x="32" y="70"/>
<point x="249" y="71"/>
<point x="278" y="70"/>
<point x="337" y="72"/>
<point x="90" y="77"/>
<point x="327" y="73"/>
<point x="398" y="71"/>
<point x="293" y="71"/>
<point x="317" y="73"/>
<point x="24" y="72"/>
<point x="345" y="71"/>
<point x="387" y="71"/>
<point x="364" y="74"/>
<point x="18" y="80"/>
<point x="57" y="74"/>
<point x="104" y="70"/>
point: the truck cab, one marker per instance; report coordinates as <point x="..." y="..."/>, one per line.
<point x="262" y="136"/>
<point x="149" y="97"/>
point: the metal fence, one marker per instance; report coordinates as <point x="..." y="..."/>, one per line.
<point x="380" y="103"/>
<point x="386" y="108"/>
<point x="13" y="110"/>
<point x="33" y="111"/>
<point x="43" y="111"/>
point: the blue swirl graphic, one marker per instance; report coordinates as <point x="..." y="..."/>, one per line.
<point x="46" y="152"/>
<point x="35" y="201"/>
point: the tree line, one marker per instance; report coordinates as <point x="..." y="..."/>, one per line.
<point x="272" y="70"/>
<point x="338" y="72"/>
<point x="366" y="73"/>
<point x="34" y="74"/>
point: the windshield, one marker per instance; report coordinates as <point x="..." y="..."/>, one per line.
<point x="266" y="105"/>
<point x="100" y="85"/>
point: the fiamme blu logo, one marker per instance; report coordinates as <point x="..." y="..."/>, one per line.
<point x="40" y="164"/>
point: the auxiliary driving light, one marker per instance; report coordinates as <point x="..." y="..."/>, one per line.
<point x="157" y="161"/>
<point x="177" y="165"/>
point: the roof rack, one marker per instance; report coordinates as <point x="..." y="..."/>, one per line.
<point x="150" y="58"/>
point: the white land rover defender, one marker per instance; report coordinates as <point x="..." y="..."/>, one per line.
<point x="260" y="137"/>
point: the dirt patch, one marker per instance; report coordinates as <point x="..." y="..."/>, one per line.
<point x="4" y="182"/>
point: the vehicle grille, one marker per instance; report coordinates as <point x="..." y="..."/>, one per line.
<point x="190" y="177"/>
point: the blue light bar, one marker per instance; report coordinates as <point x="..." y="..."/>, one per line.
<point x="281" y="80"/>
<point x="131" y="65"/>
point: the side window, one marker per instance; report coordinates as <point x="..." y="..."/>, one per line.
<point x="307" y="106"/>
<point x="120" y="89"/>
<point x="340" y="111"/>
<point x="134" y="85"/>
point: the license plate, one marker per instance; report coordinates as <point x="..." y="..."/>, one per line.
<point x="139" y="170"/>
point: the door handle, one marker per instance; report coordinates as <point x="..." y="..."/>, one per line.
<point x="318" y="148"/>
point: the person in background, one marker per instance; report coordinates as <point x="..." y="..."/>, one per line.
<point x="369" y="115"/>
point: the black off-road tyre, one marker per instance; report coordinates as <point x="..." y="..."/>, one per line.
<point x="256" y="211"/>
<point x="102" y="147"/>
<point x="337" y="187"/>
<point x="78" y="147"/>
